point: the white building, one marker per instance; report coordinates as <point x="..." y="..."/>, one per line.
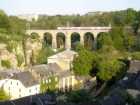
<point x="20" y="85"/>
<point x="28" y="17"/>
<point x="63" y="59"/>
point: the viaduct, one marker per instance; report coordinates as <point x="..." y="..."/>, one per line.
<point x="68" y="31"/>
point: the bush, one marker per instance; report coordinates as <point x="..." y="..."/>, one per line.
<point x="79" y="96"/>
<point x="3" y="95"/>
<point x="135" y="55"/>
<point x="20" y="59"/>
<point x="43" y="55"/>
<point x="6" y="63"/>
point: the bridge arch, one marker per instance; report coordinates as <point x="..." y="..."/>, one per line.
<point x="75" y="39"/>
<point x="89" y="40"/>
<point x="60" y="39"/>
<point x="103" y="38"/>
<point x="47" y="39"/>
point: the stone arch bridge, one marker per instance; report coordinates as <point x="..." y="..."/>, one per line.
<point x="68" y="31"/>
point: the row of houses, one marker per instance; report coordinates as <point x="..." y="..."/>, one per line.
<point x="19" y="84"/>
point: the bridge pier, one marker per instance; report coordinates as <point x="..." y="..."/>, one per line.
<point x="54" y="42"/>
<point x="68" y="41"/>
<point x="95" y="41"/>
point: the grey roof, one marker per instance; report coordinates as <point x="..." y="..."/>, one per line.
<point x="26" y="78"/>
<point x="133" y="92"/>
<point x="7" y="73"/>
<point x="38" y="99"/>
<point x="49" y="69"/>
<point x="134" y="66"/>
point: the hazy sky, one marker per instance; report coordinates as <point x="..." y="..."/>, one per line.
<point x="52" y="7"/>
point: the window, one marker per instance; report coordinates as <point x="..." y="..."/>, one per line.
<point x="29" y="90"/>
<point x="11" y="82"/>
<point x="19" y="90"/>
<point x="19" y="95"/>
<point x="17" y="83"/>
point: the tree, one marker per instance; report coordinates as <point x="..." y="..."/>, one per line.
<point x="3" y="95"/>
<point x="136" y="23"/>
<point x="117" y="37"/>
<point x="4" y="21"/>
<point x="83" y="63"/>
<point x="104" y="39"/>
<point x="109" y="69"/>
<point x="43" y="54"/>
<point x="79" y="97"/>
<point x="6" y="63"/>
<point x="43" y="86"/>
<point x="50" y="85"/>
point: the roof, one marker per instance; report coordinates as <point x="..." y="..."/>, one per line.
<point x="26" y="78"/>
<point x="67" y="54"/>
<point x="134" y="66"/>
<point x="49" y="69"/>
<point x="38" y="99"/>
<point x="4" y="74"/>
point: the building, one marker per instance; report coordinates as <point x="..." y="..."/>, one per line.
<point x="63" y="59"/>
<point x="28" y="17"/>
<point x="20" y="84"/>
<point x="65" y="78"/>
<point x="39" y="99"/>
<point x="95" y="13"/>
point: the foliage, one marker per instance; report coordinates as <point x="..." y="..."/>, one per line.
<point x="3" y="95"/>
<point x="136" y="23"/>
<point x="79" y="96"/>
<point x="20" y="59"/>
<point x="50" y="85"/>
<point x="43" y="54"/>
<point x="6" y="63"/>
<point x="43" y="86"/>
<point x="103" y="40"/>
<point x="82" y="64"/>
<point x="135" y="55"/>
<point x="109" y="64"/>
<point x="109" y="69"/>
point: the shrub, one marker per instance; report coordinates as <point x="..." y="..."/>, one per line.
<point x="6" y="63"/>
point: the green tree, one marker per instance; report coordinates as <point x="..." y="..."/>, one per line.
<point x="43" y="86"/>
<point x="6" y="63"/>
<point x="82" y="64"/>
<point x="49" y="85"/>
<point x="109" y="69"/>
<point x="43" y="54"/>
<point x="104" y="39"/>
<point x="117" y="37"/>
<point x="136" y="23"/>
<point x="52" y="83"/>
<point x="79" y="97"/>
<point x="3" y="95"/>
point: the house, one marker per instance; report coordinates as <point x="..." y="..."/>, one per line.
<point x="39" y="99"/>
<point x="20" y="84"/>
<point x="63" y="59"/>
<point x="65" y="78"/>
